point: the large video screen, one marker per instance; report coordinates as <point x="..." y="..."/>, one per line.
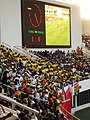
<point x="45" y="25"/>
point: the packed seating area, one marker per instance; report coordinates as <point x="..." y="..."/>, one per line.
<point x="38" y="83"/>
<point x="73" y="63"/>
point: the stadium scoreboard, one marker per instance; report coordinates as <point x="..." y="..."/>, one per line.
<point x="45" y="25"/>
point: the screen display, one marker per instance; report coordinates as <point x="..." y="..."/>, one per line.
<point x="45" y="25"/>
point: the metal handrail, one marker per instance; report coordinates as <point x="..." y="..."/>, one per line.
<point x="69" y="113"/>
<point x="42" y="57"/>
<point x="8" y="86"/>
<point x="6" y="44"/>
<point x="14" y="102"/>
<point x="26" y="52"/>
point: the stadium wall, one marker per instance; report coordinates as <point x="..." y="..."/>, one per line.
<point x="86" y="27"/>
<point x="85" y="86"/>
<point x="11" y="22"/>
<point x="10" y="15"/>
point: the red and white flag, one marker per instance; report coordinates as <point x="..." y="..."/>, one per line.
<point x="68" y="104"/>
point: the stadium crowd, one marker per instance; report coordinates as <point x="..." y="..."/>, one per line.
<point x="38" y="83"/>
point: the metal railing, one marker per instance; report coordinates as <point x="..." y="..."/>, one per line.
<point x="14" y="102"/>
<point x="72" y="117"/>
<point x="42" y="57"/>
<point x="6" y="45"/>
<point x="9" y="88"/>
<point x="24" y="52"/>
